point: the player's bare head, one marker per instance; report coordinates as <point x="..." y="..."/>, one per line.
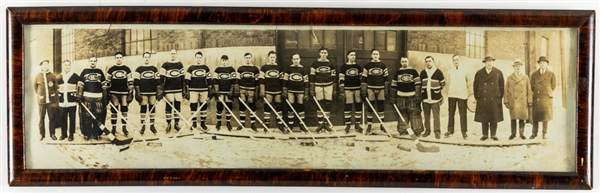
<point x="272" y="57"/>
<point x="296" y="58"/>
<point x="146" y="56"/>
<point x="404" y="61"/>
<point x="198" y="57"/>
<point x="375" y="54"/>
<point x="45" y="64"/>
<point x="429" y="61"/>
<point x="173" y="54"/>
<point x="323" y="53"/>
<point x="456" y="59"/>
<point x="93" y="61"/>
<point x="66" y="65"/>
<point x="248" y="58"/>
<point x="119" y="58"/>
<point x="351" y="55"/>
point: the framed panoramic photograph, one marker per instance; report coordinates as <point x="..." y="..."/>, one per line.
<point x="300" y="97"/>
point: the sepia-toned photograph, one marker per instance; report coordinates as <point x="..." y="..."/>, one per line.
<point x="296" y="97"/>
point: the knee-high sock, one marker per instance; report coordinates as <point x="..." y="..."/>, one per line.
<point x="267" y="114"/>
<point x="203" y="112"/>
<point x="219" y="111"/>
<point x="124" y="110"/>
<point x="347" y="113"/>
<point x="381" y="109"/>
<point x="168" y="113"/>
<point x="152" y="113"/>
<point x="113" y="117"/>
<point x="194" y="108"/>
<point x="253" y="109"/>
<point x="143" y="110"/>
<point x="178" y="109"/>
<point x="227" y="113"/>
<point x="358" y="112"/>
<point x="278" y="109"/>
<point x="300" y="110"/>
<point x="242" y="112"/>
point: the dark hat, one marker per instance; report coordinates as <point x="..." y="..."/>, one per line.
<point x="488" y="57"/>
<point x="224" y="57"/>
<point x="543" y="58"/>
<point x="517" y="62"/>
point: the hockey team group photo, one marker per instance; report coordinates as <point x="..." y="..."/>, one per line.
<point x="126" y="97"/>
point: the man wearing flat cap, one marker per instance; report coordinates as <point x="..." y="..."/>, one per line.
<point x="543" y="83"/>
<point x="517" y="98"/>
<point x="488" y="88"/>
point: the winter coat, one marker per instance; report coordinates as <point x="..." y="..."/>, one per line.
<point x="488" y="90"/>
<point x="517" y="96"/>
<point x="543" y="86"/>
<point x="46" y="88"/>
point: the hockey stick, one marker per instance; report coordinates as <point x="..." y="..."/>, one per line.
<point x="279" y="116"/>
<point x="374" y="111"/>
<point x="326" y="117"/>
<point x="113" y="138"/>
<point x="420" y="146"/>
<point x="260" y="121"/>
<point x="180" y="115"/>
<point x="134" y="130"/>
<point x="233" y="115"/>
<point x="301" y="121"/>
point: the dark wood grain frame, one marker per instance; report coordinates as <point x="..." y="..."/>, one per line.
<point x="584" y="21"/>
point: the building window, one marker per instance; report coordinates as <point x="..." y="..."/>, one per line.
<point x="368" y="40"/>
<point x="310" y="39"/>
<point x="68" y="45"/>
<point x="475" y="43"/>
<point x="137" y="41"/>
<point x="545" y="46"/>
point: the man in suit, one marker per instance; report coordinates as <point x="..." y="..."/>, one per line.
<point x="517" y="98"/>
<point x="488" y="88"/>
<point x="459" y="89"/>
<point x="543" y="83"/>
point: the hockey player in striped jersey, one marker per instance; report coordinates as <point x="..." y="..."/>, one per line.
<point x="406" y="94"/>
<point x="225" y="83"/>
<point x="249" y="86"/>
<point x="198" y="82"/>
<point x="350" y="92"/>
<point x="270" y="88"/>
<point x="375" y="83"/>
<point x="146" y="81"/>
<point x="172" y="81"/>
<point x="121" y="91"/>
<point x="92" y="90"/>
<point x="295" y="89"/>
<point x="322" y="86"/>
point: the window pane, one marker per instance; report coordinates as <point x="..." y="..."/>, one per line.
<point x="140" y="47"/>
<point x="304" y="39"/>
<point x="128" y="49"/>
<point x="154" y="46"/>
<point x="478" y="53"/>
<point x="468" y="39"/>
<point x="357" y="40"/>
<point x="317" y="39"/>
<point x="291" y="39"/>
<point x="380" y="40"/>
<point x="369" y="40"/>
<point x="147" y="34"/>
<point x="482" y="41"/>
<point x="140" y="34"/>
<point x="330" y="39"/>
<point x="127" y="35"/>
<point x="154" y="35"/>
<point x="391" y="41"/>
<point x="147" y="46"/>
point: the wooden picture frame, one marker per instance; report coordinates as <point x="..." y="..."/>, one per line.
<point x="583" y="20"/>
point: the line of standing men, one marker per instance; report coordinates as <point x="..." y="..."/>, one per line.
<point x="409" y="91"/>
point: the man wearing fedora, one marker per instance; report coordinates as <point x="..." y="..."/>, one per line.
<point x="543" y="83"/>
<point x="488" y="88"/>
<point x="517" y="98"/>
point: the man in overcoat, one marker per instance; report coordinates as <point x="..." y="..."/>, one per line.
<point x="488" y="88"/>
<point x="517" y="98"/>
<point x="543" y="83"/>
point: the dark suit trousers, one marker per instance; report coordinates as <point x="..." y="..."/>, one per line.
<point x="67" y="116"/>
<point x="49" y="108"/>
<point x="462" y="111"/>
<point x="489" y="126"/>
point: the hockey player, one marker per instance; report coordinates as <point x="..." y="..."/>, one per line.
<point x="92" y="90"/>
<point x="46" y="93"/>
<point x="295" y="89"/>
<point x="120" y="90"/>
<point x="67" y="93"/>
<point x="375" y="83"/>
<point x="225" y="82"/>
<point x="322" y="86"/>
<point x="270" y="88"/>
<point x="172" y="80"/>
<point x="349" y="77"/>
<point x="406" y="94"/>
<point x="146" y="80"/>
<point x="249" y="86"/>
<point x="198" y="82"/>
